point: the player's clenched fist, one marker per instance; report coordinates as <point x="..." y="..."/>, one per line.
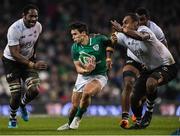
<point x="113" y="38"/>
<point x="91" y="65"/>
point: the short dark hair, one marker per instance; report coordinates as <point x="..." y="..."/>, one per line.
<point x="80" y="26"/>
<point x="133" y="16"/>
<point x="28" y="7"/>
<point x="142" y="11"/>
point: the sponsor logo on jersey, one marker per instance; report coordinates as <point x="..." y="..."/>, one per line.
<point x="165" y="69"/>
<point x="9" y="75"/>
<point x="96" y="47"/>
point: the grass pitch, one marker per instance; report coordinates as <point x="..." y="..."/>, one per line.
<point x="38" y="125"/>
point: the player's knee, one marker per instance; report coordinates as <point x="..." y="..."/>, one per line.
<point x="33" y="92"/>
<point x="128" y="83"/>
<point x="16" y="96"/>
<point x="32" y="85"/>
<point x="75" y="104"/>
<point x="86" y="95"/>
<point x="151" y="85"/>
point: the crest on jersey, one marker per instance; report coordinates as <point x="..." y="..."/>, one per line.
<point x="96" y="47"/>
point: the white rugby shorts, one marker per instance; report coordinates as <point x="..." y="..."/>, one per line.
<point x="81" y="81"/>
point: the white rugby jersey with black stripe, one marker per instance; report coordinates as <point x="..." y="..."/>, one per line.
<point x="19" y="34"/>
<point x="158" y="33"/>
<point x="152" y="53"/>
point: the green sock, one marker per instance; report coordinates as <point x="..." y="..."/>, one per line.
<point x="80" y="112"/>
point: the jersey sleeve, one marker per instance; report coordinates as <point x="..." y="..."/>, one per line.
<point x="74" y="53"/>
<point x="159" y="33"/>
<point x="107" y="43"/>
<point x="39" y="27"/>
<point x="104" y="38"/>
<point x="120" y="38"/>
<point x="145" y="29"/>
<point x="13" y="36"/>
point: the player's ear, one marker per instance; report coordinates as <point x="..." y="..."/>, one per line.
<point x="136" y="23"/>
<point x="23" y="14"/>
<point x="84" y="32"/>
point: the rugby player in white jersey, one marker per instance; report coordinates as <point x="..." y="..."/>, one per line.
<point x="158" y="64"/>
<point x="132" y="67"/>
<point x="19" y="62"/>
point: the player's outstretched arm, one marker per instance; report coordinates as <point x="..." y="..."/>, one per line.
<point x="143" y="36"/>
<point x="40" y="65"/>
<point x="132" y="33"/>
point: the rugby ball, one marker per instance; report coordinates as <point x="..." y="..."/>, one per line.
<point x="84" y="57"/>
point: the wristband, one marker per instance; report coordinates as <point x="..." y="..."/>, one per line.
<point x="108" y="59"/>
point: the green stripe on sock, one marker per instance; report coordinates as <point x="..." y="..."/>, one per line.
<point x="80" y="112"/>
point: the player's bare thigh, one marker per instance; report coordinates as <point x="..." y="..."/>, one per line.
<point x="93" y="87"/>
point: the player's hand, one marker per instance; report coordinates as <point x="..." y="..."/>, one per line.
<point x="91" y="65"/>
<point x="109" y="63"/>
<point x="40" y="65"/>
<point x="113" y="38"/>
<point x="116" y="26"/>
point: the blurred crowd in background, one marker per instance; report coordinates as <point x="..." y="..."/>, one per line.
<point x="55" y="42"/>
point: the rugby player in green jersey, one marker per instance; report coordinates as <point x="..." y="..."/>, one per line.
<point x="92" y="58"/>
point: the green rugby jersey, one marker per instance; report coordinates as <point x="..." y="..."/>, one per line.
<point x="95" y="47"/>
